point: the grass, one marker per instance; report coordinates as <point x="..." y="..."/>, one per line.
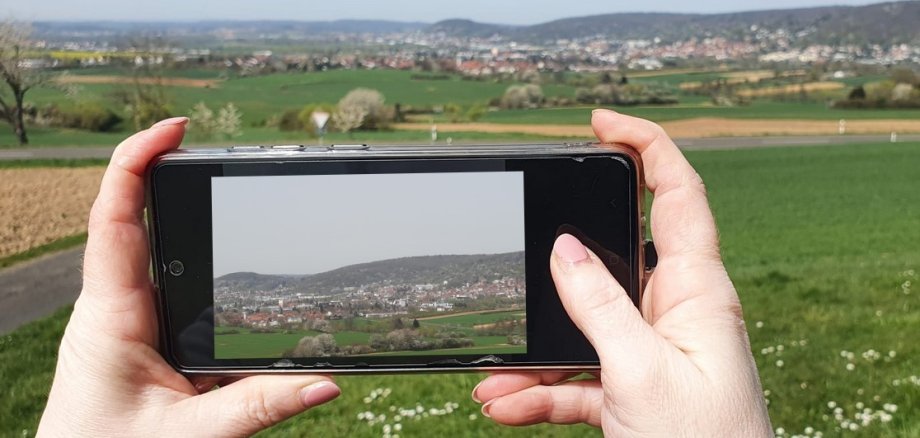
<point x="57" y="245"/>
<point x="759" y="109"/>
<point x="45" y="137"/>
<point x="260" y="97"/>
<point x="822" y="245"/>
<point x="246" y="344"/>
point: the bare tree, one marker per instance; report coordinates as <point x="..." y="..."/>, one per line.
<point x="146" y="100"/>
<point x="18" y="73"/>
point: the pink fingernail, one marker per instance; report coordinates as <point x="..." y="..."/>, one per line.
<point x="170" y="121"/>
<point x="319" y="393"/>
<point x="569" y="249"/>
<point x="474" y="396"/>
<point x="486" y="407"/>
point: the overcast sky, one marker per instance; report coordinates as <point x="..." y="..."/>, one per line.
<point x="491" y="11"/>
<point x="311" y="224"/>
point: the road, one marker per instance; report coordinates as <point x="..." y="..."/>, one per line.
<point x="36" y="288"/>
<point x="685" y="143"/>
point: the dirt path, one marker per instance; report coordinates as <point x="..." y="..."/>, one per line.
<point x="41" y="205"/>
<point x="175" y="82"/>
<point x="695" y="128"/>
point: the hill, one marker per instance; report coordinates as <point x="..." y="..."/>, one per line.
<point x="453" y="269"/>
<point x="882" y="23"/>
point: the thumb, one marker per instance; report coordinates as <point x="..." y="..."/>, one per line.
<point x="599" y="306"/>
<point x="255" y="403"/>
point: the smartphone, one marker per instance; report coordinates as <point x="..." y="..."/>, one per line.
<point x="352" y="258"/>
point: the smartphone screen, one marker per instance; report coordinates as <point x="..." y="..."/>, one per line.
<point x="397" y="264"/>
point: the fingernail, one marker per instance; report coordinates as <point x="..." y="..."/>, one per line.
<point x="602" y="110"/>
<point x="486" y="407"/>
<point x="476" y="397"/>
<point x="569" y="249"/>
<point x="170" y="121"/>
<point x="319" y="393"/>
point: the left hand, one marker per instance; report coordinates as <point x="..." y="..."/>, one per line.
<point x="110" y="378"/>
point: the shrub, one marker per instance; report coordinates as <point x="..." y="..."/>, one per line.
<point x="522" y="96"/>
<point x="90" y="116"/>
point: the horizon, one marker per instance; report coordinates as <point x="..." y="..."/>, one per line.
<point x="505" y="14"/>
<point x="364" y="263"/>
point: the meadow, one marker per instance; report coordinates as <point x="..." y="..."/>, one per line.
<point x="234" y="343"/>
<point x="260" y="98"/>
<point x="822" y="245"/>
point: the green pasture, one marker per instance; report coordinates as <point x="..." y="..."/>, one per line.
<point x="45" y="137"/>
<point x="248" y="345"/>
<point x="823" y="248"/>
<point x="497" y="348"/>
<point x="474" y="318"/>
<point x="260" y="97"/>
<point x="758" y="109"/>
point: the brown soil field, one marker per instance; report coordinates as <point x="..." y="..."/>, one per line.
<point x="41" y="205"/>
<point x="742" y="77"/>
<point x="104" y="79"/>
<point x="694" y="128"/>
<point x="792" y="88"/>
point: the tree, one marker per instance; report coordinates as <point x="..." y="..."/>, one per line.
<point x="18" y="74"/>
<point x="227" y="124"/>
<point x="415" y="324"/>
<point x="146" y="100"/>
<point x="362" y="108"/>
<point x="522" y="96"/>
<point x="858" y="93"/>
<point x="202" y="121"/>
<point x="229" y="121"/>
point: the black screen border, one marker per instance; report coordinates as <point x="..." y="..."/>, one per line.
<point x="179" y="209"/>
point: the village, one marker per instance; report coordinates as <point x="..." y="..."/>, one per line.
<point x="290" y="308"/>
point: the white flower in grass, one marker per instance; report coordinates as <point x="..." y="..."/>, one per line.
<point x="367" y="400"/>
<point x="758" y="324"/>
<point x="831" y="404"/>
<point x="890" y="407"/>
<point x="473" y="417"/>
<point x="859" y="405"/>
<point x="397" y="418"/>
<point x="809" y="430"/>
<point x="780" y="363"/>
<point x="397" y="427"/>
<point x="780" y="431"/>
<point x="892" y="354"/>
<point x="851" y="366"/>
<point x="766" y="392"/>
<point x="387" y="428"/>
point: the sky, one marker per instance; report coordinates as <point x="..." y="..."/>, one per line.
<point x="489" y="11"/>
<point x="307" y="224"/>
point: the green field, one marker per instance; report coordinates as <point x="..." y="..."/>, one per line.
<point x="246" y="344"/>
<point x="249" y="345"/>
<point x="823" y="246"/>
<point x="759" y="109"/>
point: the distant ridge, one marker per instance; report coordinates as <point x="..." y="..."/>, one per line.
<point x="881" y="23"/>
<point x="453" y="269"/>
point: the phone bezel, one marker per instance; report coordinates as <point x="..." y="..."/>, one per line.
<point x="267" y="162"/>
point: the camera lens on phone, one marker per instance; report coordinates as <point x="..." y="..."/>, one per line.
<point x="176" y="268"/>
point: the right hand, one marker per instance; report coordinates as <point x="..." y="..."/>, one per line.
<point x="681" y="367"/>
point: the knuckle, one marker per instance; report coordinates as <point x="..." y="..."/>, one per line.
<point x="259" y="412"/>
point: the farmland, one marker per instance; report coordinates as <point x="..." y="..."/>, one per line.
<point x="261" y="99"/>
<point x="244" y="343"/>
<point x="822" y="246"/>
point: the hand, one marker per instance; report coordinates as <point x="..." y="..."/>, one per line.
<point x="681" y="367"/>
<point x="110" y="379"/>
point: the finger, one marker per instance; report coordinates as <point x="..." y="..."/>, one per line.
<point x="116" y="244"/>
<point x="600" y="308"/>
<point x="254" y="403"/>
<point x="500" y="384"/>
<point x="682" y="222"/>
<point x="689" y="264"/>
<point x="571" y="402"/>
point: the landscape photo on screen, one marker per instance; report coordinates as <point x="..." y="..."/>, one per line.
<point x="369" y="265"/>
